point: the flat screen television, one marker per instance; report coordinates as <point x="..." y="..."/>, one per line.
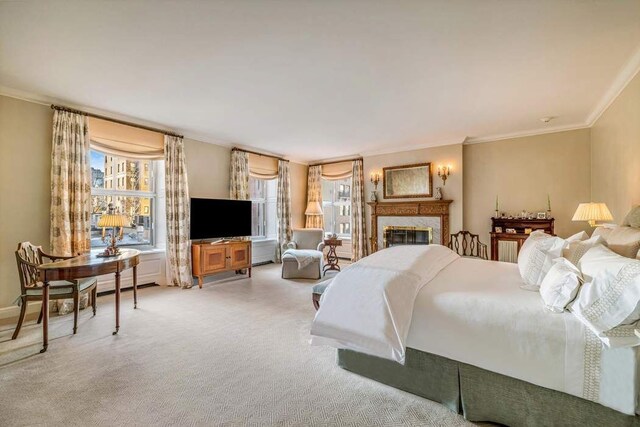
<point x="220" y="218"/>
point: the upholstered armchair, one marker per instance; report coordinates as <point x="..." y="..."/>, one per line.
<point x="302" y="257"/>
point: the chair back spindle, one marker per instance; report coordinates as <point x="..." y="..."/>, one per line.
<point x="467" y="244"/>
<point x="28" y="257"/>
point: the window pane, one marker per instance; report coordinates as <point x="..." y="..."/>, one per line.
<point x="256" y="188"/>
<point x="98" y="163"/>
<point x="257" y="219"/>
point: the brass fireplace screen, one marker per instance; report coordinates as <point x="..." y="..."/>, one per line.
<point x="397" y="235"/>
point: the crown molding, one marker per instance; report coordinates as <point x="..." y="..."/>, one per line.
<point x="626" y="74"/>
<point x="522" y="134"/>
<point x="403" y="148"/>
<point x="48" y="100"/>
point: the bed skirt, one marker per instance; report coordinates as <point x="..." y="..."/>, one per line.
<point x="481" y="395"/>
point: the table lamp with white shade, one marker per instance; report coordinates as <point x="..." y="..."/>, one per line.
<point x="112" y="220"/>
<point x="592" y="212"/>
<point x="314" y="209"/>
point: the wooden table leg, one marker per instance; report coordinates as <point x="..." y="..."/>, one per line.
<point x="117" y="303"/>
<point x="45" y="316"/>
<point x="135" y="286"/>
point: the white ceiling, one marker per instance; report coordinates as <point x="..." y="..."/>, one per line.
<point x="326" y="78"/>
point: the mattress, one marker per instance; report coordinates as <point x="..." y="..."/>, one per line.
<point x="474" y="312"/>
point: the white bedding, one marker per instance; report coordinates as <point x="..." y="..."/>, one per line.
<point x="474" y="312"/>
<point x="368" y="306"/>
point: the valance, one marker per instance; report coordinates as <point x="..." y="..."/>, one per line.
<point x="127" y="141"/>
<point x="336" y="171"/>
<point x="263" y="167"/>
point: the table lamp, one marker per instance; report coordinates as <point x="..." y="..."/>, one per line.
<point x="592" y="212"/>
<point x="112" y="220"/>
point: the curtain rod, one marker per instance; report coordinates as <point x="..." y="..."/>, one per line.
<point x="122" y="122"/>
<point x="336" y="161"/>
<point x="259" y="154"/>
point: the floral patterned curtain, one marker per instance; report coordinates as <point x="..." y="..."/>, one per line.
<point x="314" y="194"/>
<point x="70" y="185"/>
<point x="283" y="206"/>
<point x="239" y="175"/>
<point x="359" y="231"/>
<point x="177" y="199"/>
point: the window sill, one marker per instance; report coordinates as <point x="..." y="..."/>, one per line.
<point x="143" y="249"/>
<point x="263" y="241"/>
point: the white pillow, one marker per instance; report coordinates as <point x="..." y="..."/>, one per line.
<point x="578" y="237"/>
<point x="576" y="250"/>
<point x="608" y="303"/>
<point x="536" y="257"/>
<point x="560" y="286"/>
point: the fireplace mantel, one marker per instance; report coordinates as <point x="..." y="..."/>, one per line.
<point x="433" y="208"/>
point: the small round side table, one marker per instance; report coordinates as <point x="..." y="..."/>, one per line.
<point x="332" y="257"/>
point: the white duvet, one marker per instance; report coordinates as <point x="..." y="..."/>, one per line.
<point x="369" y="305"/>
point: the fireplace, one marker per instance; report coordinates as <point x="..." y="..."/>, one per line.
<point x="399" y="235"/>
<point x="429" y="220"/>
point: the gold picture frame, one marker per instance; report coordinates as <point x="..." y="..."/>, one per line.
<point x="407" y="181"/>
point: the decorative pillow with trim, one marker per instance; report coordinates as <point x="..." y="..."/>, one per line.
<point x="622" y="240"/>
<point x="633" y="218"/>
<point x="536" y="258"/>
<point x="609" y="301"/>
<point x="560" y="286"/>
<point x="576" y="250"/>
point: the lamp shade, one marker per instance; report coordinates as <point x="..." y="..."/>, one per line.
<point x="313" y="208"/>
<point x="592" y="212"/>
<point x="113" y="220"/>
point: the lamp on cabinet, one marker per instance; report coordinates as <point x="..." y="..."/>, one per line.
<point x="592" y="212"/>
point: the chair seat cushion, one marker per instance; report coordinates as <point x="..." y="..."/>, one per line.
<point x="58" y="287"/>
<point x="321" y="287"/>
<point x="289" y="256"/>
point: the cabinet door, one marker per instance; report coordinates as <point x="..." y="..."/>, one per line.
<point x="214" y="258"/>
<point x="240" y="257"/>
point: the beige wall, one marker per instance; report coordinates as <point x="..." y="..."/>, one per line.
<point x="522" y="171"/>
<point x="298" y="194"/>
<point x="615" y="153"/>
<point x="445" y="155"/>
<point x="25" y="168"/>
<point x="207" y="169"/>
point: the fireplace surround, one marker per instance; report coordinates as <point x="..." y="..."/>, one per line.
<point x="421" y="214"/>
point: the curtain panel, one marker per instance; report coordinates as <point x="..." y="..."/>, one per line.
<point x="239" y="188"/>
<point x="314" y="194"/>
<point x="359" y="231"/>
<point x="70" y="185"/>
<point x="283" y="207"/>
<point x="177" y="200"/>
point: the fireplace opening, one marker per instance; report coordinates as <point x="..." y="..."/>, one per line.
<point x="397" y="235"/>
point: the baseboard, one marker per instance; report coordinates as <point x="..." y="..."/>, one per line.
<point x="14" y="311"/>
<point x="127" y="289"/>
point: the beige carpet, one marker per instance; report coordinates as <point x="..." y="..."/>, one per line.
<point x="233" y="353"/>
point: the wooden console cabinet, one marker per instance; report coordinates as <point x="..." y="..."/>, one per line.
<point x="210" y="258"/>
<point x="522" y="228"/>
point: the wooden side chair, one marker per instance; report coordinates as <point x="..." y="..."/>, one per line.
<point x="29" y="257"/>
<point x="468" y="244"/>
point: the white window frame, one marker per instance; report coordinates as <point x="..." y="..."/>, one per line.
<point x="152" y="195"/>
<point x="266" y="201"/>
<point x="335" y="204"/>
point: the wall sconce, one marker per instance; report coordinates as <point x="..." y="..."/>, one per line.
<point x="444" y="172"/>
<point x="375" y="179"/>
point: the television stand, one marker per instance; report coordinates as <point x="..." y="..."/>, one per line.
<point x="209" y="258"/>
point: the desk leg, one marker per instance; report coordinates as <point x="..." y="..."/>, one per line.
<point x="135" y="286"/>
<point x="45" y="316"/>
<point x="117" y="302"/>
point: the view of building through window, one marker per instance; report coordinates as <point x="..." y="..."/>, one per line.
<point x="128" y="184"/>
<point x="336" y="206"/>
<point x="262" y="193"/>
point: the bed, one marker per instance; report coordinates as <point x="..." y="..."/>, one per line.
<point x="478" y="343"/>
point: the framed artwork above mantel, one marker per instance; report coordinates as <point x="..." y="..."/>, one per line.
<point x="407" y="181"/>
